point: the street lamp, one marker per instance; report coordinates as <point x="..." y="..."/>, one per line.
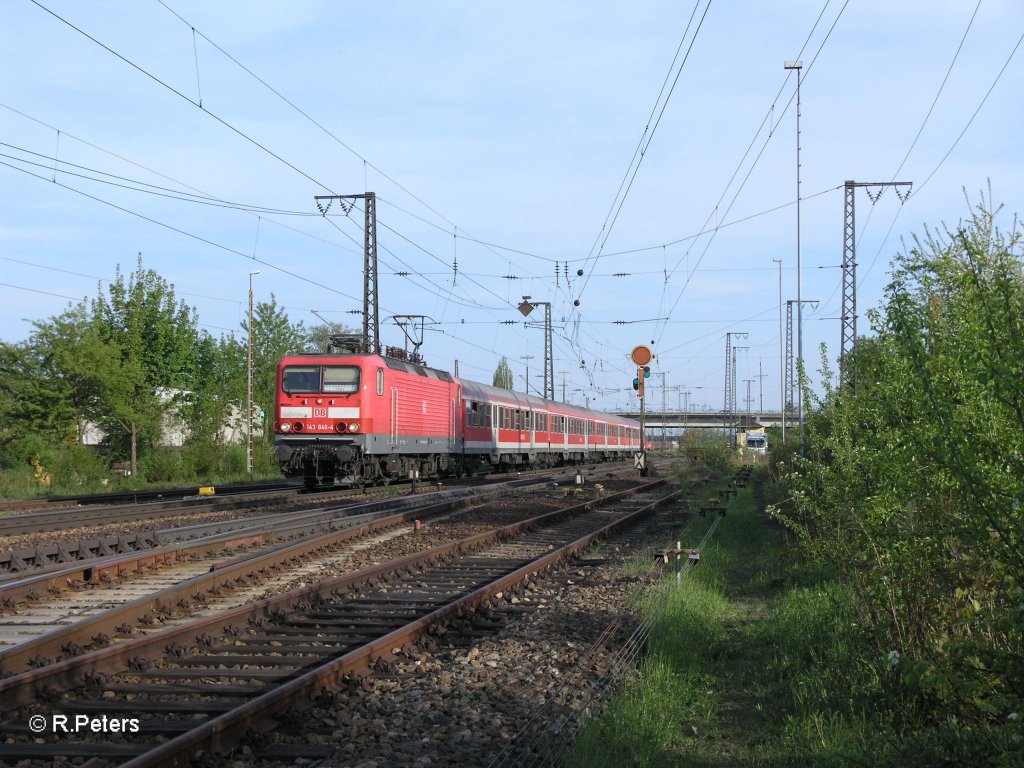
<point x="248" y="411"/>
<point x="798" y="65"/>
<point x="527" y="358"/>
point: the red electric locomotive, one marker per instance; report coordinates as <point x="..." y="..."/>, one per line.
<point x="360" y="419"/>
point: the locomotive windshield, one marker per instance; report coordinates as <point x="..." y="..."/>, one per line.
<point x="320" y="379"/>
<point x="341" y="379"/>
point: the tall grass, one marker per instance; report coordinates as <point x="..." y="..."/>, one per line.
<point x="753" y="660"/>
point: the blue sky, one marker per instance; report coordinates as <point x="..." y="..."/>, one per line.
<point x="496" y="136"/>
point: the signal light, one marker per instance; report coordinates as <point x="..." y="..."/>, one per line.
<point x="636" y="384"/>
<point x="647" y="371"/>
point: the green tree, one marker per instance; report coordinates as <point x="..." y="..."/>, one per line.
<point x="274" y="336"/>
<point x="150" y="341"/>
<point x="914" y="479"/>
<point x="503" y="375"/>
<point x="319" y="337"/>
<point x="217" y="393"/>
<point x="35" y="402"/>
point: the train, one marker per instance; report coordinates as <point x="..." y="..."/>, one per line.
<point x="358" y="419"/>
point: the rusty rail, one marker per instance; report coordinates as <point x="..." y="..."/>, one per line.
<point x="225" y="729"/>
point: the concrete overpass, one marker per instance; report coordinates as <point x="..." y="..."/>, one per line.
<point x="708" y="419"/>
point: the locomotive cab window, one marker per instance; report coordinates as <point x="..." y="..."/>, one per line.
<point x="320" y="379"/>
<point x="341" y="379"/>
<point x="301" y="380"/>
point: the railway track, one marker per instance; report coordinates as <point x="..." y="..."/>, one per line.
<point x="191" y="584"/>
<point x="135" y="497"/>
<point x="110" y="594"/>
<point x="54" y="555"/>
<point x="87" y="525"/>
<point x="203" y="685"/>
<point x="80" y="517"/>
<point x="83" y="552"/>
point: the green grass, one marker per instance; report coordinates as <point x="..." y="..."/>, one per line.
<point x="70" y="470"/>
<point x="753" y="661"/>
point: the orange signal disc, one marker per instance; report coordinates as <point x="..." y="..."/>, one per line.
<point x="641" y="354"/>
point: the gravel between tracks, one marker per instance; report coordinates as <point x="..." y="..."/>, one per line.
<point x="462" y="703"/>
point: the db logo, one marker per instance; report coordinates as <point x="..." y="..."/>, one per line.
<point x="319" y="413"/>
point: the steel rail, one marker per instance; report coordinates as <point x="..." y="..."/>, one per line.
<point x="54" y="519"/>
<point x="55" y="555"/>
<point x="139" y="548"/>
<point x="225" y="731"/>
<point x="228" y="497"/>
<point x="24" y="688"/>
<point x="318" y="524"/>
<point x="134" y="497"/>
<point x="97" y="630"/>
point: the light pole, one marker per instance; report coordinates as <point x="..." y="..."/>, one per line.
<point x="798" y="65"/>
<point x="248" y="410"/>
<point x="527" y="358"/>
<point x="664" y="403"/>
<point x="586" y="396"/>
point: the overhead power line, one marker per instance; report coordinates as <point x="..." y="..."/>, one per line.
<point x="645" y="142"/>
<point x="178" y="93"/>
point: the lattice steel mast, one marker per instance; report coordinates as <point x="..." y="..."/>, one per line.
<point x="848" y="318"/>
<point x="371" y="320"/>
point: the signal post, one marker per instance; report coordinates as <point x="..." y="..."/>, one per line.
<point x="641" y="357"/>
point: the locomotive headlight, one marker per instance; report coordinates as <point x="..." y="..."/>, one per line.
<point x="285" y="426"/>
<point x="297" y="426"/>
<point x="341" y="426"/>
<point x="353" y="427"/>
<point x="319" y="401"/>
